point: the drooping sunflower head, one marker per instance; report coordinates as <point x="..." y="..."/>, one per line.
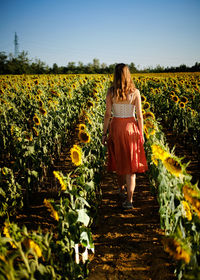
<point x="6" y="231"/>
<point x="184" y="99"/>
<point x="158" y="152"/>
<point x="148" y="115"/>
<point x="143" y="98"/>
<point x="175" y="98"/>
<point x="146" y="106"/>
<point x="35" y="247"/>
<point x="83" y="136"/>
<point x="149" y="128"/>
<point x="90" y="104"/>
<point x="35" y="131"/>
<point x="81" y="126"/>
<point x="36" y="119"/>
<point x="173" y="166"/>
<point x="190" y="190"/>
<point x="192" y="195"/>
<point x="29" y="136"/>
<point x="53" y="212"/>
<point x="43" y="111"/>
<point x="40" y="103"/>
<point x="182" y="105"/>
<point x="176" y="249"/>
<point x="60" y="179"/>
<point x="76" y="155"/>
<point x="187" y="210"/>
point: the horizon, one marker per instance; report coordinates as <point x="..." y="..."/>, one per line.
<point x="147" y="33"/>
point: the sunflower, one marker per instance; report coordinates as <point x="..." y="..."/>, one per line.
<point x="4" y="170"/>
<point x="36" y="119"/>
<point x="176" y="250"/>
<point x="6" y="231"/>
<point x="81" y="126"/>
<point x="193" y="197"/>
<point x="173" y="166"/>
<point x="149" y="128"/>
<point x="143" y="98"/>
<point x="158" y="152"/>
<point x="29" y="136"/>
<point x="184" y="99"/>
<point x="35" y="131"/>
<point x="76" y="155"/>
<point x="90" y="104"/>
<point x="186" y="207"/>
<point x="182" y="105"/>
<point x="55" y="93"/>
<point x="60" y="179"/>
<point x="146" y="106"/>
<point x="83" y="136"/>
<point x="35" y="247"/>
<point x="54" y="213"/>
<point x="175" y="98"/>
<point x="148" y="115"/>
<point x="43" y="111"/>
<point x="194" y="113"/>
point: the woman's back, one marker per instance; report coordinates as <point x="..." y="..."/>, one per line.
<point x="124" y="108"/>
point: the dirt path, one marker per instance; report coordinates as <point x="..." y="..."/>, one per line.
<point x="128" y="242"/>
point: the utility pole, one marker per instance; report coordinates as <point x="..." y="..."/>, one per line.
<point x="16" y="45"/>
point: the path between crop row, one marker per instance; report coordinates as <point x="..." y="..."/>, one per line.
<point x="128" y="242"/>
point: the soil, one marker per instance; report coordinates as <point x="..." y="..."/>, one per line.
<point x="128" y="242"/>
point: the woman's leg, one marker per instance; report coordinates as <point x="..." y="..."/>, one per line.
<point x="121" y="182"/>
<point x="130" y="183"/>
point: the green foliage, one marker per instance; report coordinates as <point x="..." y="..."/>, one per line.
<point x="10" y="193"/>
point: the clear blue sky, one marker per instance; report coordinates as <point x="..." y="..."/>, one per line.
<point x="146" y="32"/>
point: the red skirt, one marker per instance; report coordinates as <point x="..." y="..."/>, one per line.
<point x="125" y="149"/>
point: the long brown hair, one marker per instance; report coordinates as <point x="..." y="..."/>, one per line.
<point x="122" y="82"/>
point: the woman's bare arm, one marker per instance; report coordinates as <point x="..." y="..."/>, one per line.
<point x="138" y="105"/>
<point x="107" y="114"/>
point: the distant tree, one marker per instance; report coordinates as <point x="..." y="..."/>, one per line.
<point x="3" y="62"/>
<point x="196" y="67"/>
<point x="158" y="69"/>
<point x="81" y="67"/>
<point x="96" y="64"/>
<point x="55" y="68"/>
<point x="183" y="68"/>
<point x="132" y="67"/>
<point x="111" y="68"/>
<point x="103" y="65"/>
<point x="71" y="67"/>
<point x="39" y="67"/>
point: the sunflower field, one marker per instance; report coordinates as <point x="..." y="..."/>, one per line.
<point x="42" y="115"/>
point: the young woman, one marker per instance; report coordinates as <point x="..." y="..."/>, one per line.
<point x="125" y="142"/>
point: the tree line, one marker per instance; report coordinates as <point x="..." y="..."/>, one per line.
<point x="23" y="65"/>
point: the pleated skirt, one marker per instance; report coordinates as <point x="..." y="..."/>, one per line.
<point x="126" y="153"/>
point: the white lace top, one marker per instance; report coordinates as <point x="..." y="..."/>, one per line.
<point x="123" y="110"/>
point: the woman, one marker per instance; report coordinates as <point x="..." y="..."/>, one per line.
<point x="126" y="153"/>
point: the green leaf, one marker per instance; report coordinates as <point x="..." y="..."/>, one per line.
<point x="84" y="238"/>
<point x="83" y="217"/>
<point x="72" y="217"/>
